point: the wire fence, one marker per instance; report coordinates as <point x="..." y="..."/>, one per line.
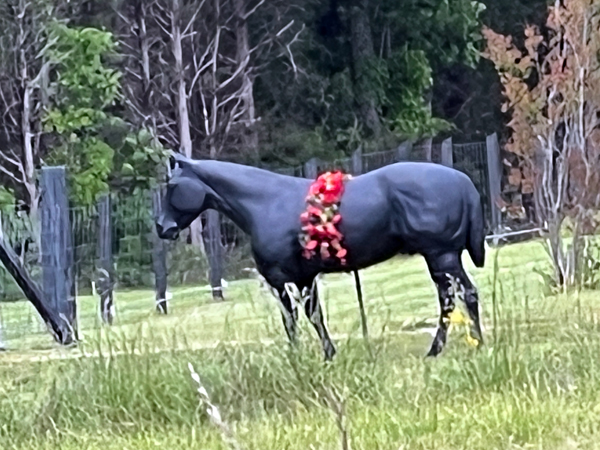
<point x="472" y="160"/>
<point x="133" y="227"/>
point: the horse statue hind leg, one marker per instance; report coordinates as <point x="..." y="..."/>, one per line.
<point x="448" y="274"/>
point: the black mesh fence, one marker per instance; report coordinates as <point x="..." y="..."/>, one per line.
<point x="472" y="160"/>
<point x="133" y="226"/>
<point x="19" y="232"/>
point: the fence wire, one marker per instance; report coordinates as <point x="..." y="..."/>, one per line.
<point x="16" y="319"/>
<point x="133" y="228"/>
<point x="471" y="159"/>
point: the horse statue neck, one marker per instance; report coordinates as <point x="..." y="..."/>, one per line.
<point x="240" y="192"/>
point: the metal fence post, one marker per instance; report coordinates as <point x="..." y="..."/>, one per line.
<point x="2" y="344"/>
<point x="428" y="149"/>
<point x="105" y="260"/>
<point x="214" y="249"/>
<point x="494" y="175"/>
<point x="311" y="168"/>
<point x="57" y="246"/>
<point x="403" y="151"/>
<point x="159" y="257"/>
<point x="357" y="162"/>
<point x="447" y="157"/>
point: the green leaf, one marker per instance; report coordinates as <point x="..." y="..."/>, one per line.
<point x="127" y="169"/>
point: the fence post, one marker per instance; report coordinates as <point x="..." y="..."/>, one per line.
<point x="357" y="161"/>
<point x="311" y="168"/>
<point x="214" y="247"/>
<point x="447" y="157"/>
<point x="494" y="176"/>
<point x="427" y="149"/>
<point x="2" y="343"/>
<point x="105" y="259"/>
<point x="403" y="151"/>
<point x="159" y="256"/>
<point x="60" y="330"/>
<point x="57" y="246"/>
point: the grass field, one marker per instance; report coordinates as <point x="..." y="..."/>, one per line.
<point x="535" y="384"/>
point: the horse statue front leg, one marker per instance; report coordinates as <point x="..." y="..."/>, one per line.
<point x="312" y="308"/>
<point x="289" y="314"/>
<point x="289" y="295"/>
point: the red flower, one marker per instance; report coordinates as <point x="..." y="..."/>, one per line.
<point x="320" y="230"/>
<point x="332" y="231"/>
<point x="313" y="210"/>
<point x="329" y="198"/>
<point x="321" y="216"/>
<point x="309" y="228"/>
<point x="317" y="187"/>
<point x="311" y="245"/>
<point x="324" y="250"/>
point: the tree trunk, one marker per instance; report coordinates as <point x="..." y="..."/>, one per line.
<point x="185" y="139"/>
<point x="29" y="151"/>
<point x="26" y="111"/>
<point x="144" y="45"/>
<point x="249" y="134"/>
<point x="363" y="56"/>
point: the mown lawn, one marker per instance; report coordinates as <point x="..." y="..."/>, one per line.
<point x="535" y="384"/>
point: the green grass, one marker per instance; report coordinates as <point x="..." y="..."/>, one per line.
<point x="534" y="385"/>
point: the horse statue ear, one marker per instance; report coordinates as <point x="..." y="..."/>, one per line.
<point x="179" y="160"/>
<point x="172" y="164"/>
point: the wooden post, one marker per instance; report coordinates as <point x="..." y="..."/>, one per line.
<point x="57" y="246"/>
<point x="2" y="342"/>
<point x="60" y="330"/>
<point x="357" y="162"/>
<point x="58" y="327"/>
<point x="494" y="175"/>
<point x="427" y="149"/>
<point x="214" y="247"/>
<point x="447" y="157"/>
<point x="159" y="256"/>
<point x="311" y="168"/>
<point x="403" y="151"/>
<point x="105" y="260"/>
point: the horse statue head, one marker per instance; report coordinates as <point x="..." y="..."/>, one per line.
<point x="184" y="200"/>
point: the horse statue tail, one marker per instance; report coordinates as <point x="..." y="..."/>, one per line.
<point x="476" y="237"/>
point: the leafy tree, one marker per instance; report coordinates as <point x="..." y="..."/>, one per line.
<point x="470" y="98"/>
<point x="84" y="90"/>
<point x="553" y="97"/>
<point x="23" y="92"/>
<point x="418" y="41"/>
<point x="401" y="48"/>
<point x="7" y="200"/>
<point x="138" y="162"/>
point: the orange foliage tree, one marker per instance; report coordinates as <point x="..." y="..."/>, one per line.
<point x="552" y="91"/>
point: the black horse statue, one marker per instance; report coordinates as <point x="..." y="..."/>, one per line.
<point x="404" y="208"/>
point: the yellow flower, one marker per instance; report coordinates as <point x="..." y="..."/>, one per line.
<point x="472" y="341"/>
<point x="458" y="318"/>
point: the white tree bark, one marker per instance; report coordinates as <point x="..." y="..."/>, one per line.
<point x="183" y="117"/>
<point x="250" y="135"/>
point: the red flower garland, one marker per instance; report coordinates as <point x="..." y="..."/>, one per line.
<point x="319" y="232"/>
